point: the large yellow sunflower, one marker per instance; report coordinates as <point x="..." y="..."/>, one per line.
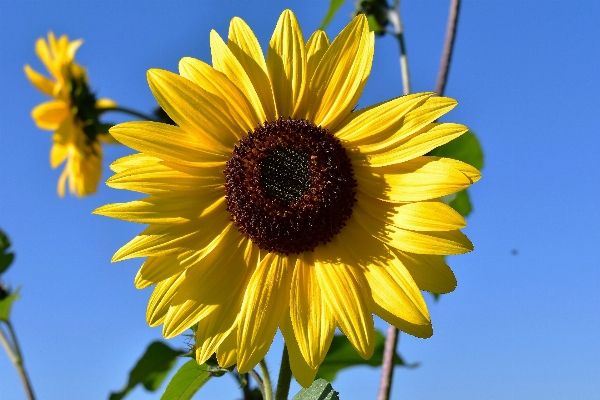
<point x="72" y="115"/>
<point x="272" y="205"/>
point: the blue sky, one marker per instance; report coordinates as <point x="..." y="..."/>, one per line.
<point x="525" y="73"/>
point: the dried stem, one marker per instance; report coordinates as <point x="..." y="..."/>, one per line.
<point x="448" y="47"/>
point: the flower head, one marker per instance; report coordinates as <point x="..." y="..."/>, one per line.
<point x="72" y="115"/>
<point x="273" y="205"/>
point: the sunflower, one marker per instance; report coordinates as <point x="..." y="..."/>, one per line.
<point x="273" y="205"/>
<point x="72" y="115"/>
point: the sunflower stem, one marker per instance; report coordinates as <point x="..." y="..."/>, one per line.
<point x="266" y="379"/>
<point x="129" y="111"/>
<point x="259" y="381"/>
<point x="396" y="21"/>
<point x="14" y="353"/>
<point x="285" y="376"/>
<point x="440" y="85"/>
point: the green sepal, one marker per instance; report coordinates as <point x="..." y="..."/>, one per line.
<point x="151" y="369"/>
<point x="6" y="304"/>
<point x="334" y="6"/>
<point x="187" y="381"/>
<point x="376" y="12"/>
<point x="319" y="390"/>
<point x="342" y="355"/>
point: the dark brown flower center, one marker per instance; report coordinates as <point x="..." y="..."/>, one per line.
<point x="289" y="186"/>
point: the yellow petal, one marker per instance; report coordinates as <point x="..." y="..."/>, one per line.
<point x="157" y="269"/>
<point x="169" y="208"/>
<point x="161" y="298"/>
<point x="422" y="178"/>
<point x="304" y="373"/>
<point x="431" y="273"/>
<point x="51" y="114"/>
<point x="430" y="137"/>
<point x="265" y="303"/>
<point x="43" y="84"/>
<point x="58" y="153"/>
<point x="415" y="120"/>
<point x="470" y="172"/>
<point x="157" y="178"/>
<point x="195" y="110"/>
<point x="313" y="322"/>
<point x="420" y="331"/>
<point x="217" y="83"/>
<point x="316" y="47"/>
<point x="226" y="352"/>
<point x="245" y="47"/>
<point x="161" y="240"/>
<point x="341" y="75"/>
<point x="430" y="242"/>
<point x="133" y="161"/>
<point x="225" y="62"/>
<point x="167" y="142"/>
<point x="105" y="103"/>
<point x="214" y="328"/>
<point x="215" y="281"/>
<point x="347" y="294"/>
<point x="377" y="122"/>
<point x="286" y="64"/>
<point x="432" y="215"/>
<point x="390" y="283"/>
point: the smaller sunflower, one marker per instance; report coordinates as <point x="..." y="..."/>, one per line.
<point x="72" y="115"/>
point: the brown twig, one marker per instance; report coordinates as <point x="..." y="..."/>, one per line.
<point x="387" y="366"/>
<point x="440" y="85"/>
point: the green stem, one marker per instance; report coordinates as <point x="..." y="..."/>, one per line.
<point x="14" y="353"/>
<point x="130" y="112"/>
<point x="396" y="21"/>
<point x="259" y="382"/>
<point x="266" y="380"/>
<point x="285" y="376"/>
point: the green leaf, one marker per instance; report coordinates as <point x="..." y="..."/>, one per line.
<point x="334" y="6"/>
<point x="5" y="258"/>
<point x="319" y="390"/>
<point x="465" y="148"/>
<point x="187" y="381"/>
<point x="461" y="203"/>
<point x="6" y="305"/>
<point x="342" y="355"/>
<point x="150" y="369"/>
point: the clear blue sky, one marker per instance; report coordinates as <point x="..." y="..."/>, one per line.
<point x="526" y="75"/>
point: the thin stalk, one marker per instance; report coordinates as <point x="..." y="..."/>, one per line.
<point x="285" y="376"/>
<point x="391" y="341"/>
<point x="440" y="85"/>
<point x="387" y="366"/>
<point x="266" y="379"/>
<point x="130" y="112"/>
<point x="396" y="21"/>
<point x="15" y="355"/>
<point x="259" y="381"/>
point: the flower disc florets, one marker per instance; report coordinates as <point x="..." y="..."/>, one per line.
<point x="289" y="186"/>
